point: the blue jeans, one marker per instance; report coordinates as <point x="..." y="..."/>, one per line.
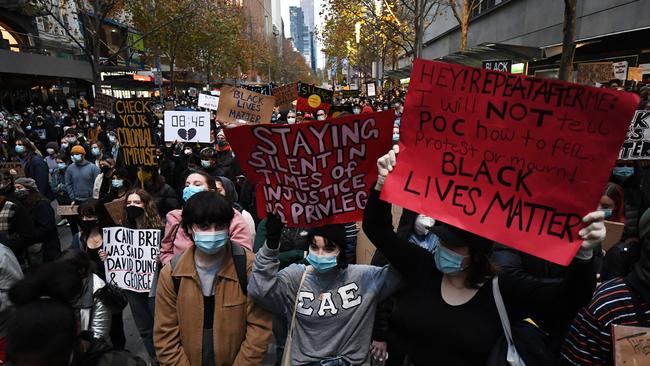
<point x="330" y="362"/>
<point x="143" y="317"/>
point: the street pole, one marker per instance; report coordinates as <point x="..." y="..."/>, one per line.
<point x="158" y="70"/>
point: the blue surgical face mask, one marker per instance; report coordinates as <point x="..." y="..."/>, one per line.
<point x="623" y="172"/>
<point x="95" y="151"/>
<point x="210" y="242"/>
<point x="608" y="212"/>
<point x="205" y="163"/>
<point x="61" y="165"/>
<point x="20" y="149"/>
<point x="190" y="191"/>
<point x="77" y="158"/>
<point x="448" y="261"/>
<point x="117" y="183"/>
<point x="321" y="263"/>
<point x="64" y="145"/>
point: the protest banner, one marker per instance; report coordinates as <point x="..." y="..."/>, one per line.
<point x="241" y="106"/>
<point x="336" y="110"/>
<point x="262" y="89"/>
<point x="370" y="89"/>
<point x="314" y="173"/>
<point x="311" y="98"/>
<point x="285" y="94"/>
<point x="497" y="65"/>
<point x="620" y="70"/>
<point x="349" y="94"/>
<point x="518" y="160"/>
<point x="103" y="102"/>
<point x="631" y="345"/>
<point x="67" y="210"/>
<point x="637" y="140"/>
<point x="135" y="132"/>
<point x="208" y="101"/>
<point x="614" y="234"/>
<point x="187" y="126"/>
<point x="131" y="263"/>
<point x="595" y="72"/>
<point x="635" y="73"/>
<point x="115" y="210"/>
<point x="15" y="169"/>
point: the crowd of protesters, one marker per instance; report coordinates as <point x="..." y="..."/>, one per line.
<point x="235" y="290"/>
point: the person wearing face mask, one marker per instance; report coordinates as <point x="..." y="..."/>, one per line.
<point x="321" y="115"/>
<point x="103" y="182"/>
<point x="333" y="300"/>
<point x="195" y="322"/>
<point x="16" y="227"/>
<point x="47" y="247"/>
<point x="208" y="158"/>
<point x="356" y="109"/>
<point x="448" y="297"/>
<point x="225" y="163"/>
<point x="176" y="240"/>
<point x="291" y="117"/>
<point x="33" y="165"/>
<point x="52" y="150"/>
<point x="79" y="180"/>
<point x="140" y="213"/>
<point x="163" y="194"/>
<point x="97" y="151"/>
<point x="630" y="178"/>
<point x="72" y="138"/>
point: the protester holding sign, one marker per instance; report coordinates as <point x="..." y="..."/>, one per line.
<point x="329" y="305"/>
<point x="459" y="275"/>
<point x="177" y="241"/>
<point x="141" y="214"/>
<point x="203" y="315"/>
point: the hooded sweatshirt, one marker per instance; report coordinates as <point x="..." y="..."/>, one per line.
<point x="336" y="309"/>
<point x="233" y="199"/>
<point x="176" y="240"/>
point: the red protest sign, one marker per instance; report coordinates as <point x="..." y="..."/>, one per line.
<point x="314" y="173"/>
<point x="515" y="159"/>
<point x="311" y="98"/>
<point x="285" y="94"/>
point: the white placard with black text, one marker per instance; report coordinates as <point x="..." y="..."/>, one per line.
<point x="187" y="126"/>
<point x="208" y="101"/>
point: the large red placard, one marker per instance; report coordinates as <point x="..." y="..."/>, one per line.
<point x="515" y="159"/>
<point x="314" y="173"/>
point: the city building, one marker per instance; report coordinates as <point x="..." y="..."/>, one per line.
<point x="529" y="32"/>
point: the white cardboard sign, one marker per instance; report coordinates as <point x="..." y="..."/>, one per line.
<point x="187" y="126"/>
<point x="131" y="262"/>
<point x="208" y="101"/>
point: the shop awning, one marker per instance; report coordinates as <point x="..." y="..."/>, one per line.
<point x="474" y="56"/>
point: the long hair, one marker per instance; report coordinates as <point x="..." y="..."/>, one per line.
<point x="615" y="192"/>
<point x="481" y="269"/>
<point x="93" y="207"/>
<point x="151" y="218"/>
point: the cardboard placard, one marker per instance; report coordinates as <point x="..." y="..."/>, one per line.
<point x="595" y="72"/>
<point x="208" y="101"/>
<point x="370" y="89"/>
<point x="518" y="160"/>
<point x="241" y="106"/>
<point x="314" y="173"/>
<point x="262" y="89"/>
<point x="497" y="65"/>
<point x="631" y="345"/>
<point x="187" y="126"/>
<point x="67" y="210"/>
<point x="614" y="234"/>
<point x="349" y="94"/>
<point x="116" y="211"/>
<point x="285" y="94"/>
<point x="104" y="102"/>
<point x="135" y="132"/>
<point x="15" y="169"/>
<point x="637" y="140"/>
<point x="131" y="263"/>
<point x="312" y="98"/>
<point x="635" y="73"/>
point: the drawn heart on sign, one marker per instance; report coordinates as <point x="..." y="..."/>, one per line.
<point x="187" y="134"/>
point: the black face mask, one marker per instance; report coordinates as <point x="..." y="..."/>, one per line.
<point x="105" y="169"/>
<point x="134" y="212"/>
<point x="86" y="225"/>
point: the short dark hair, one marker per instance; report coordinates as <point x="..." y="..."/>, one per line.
<point x="208" y="178"/>
<point x="333" y="236"/>
<point x="80" y="260"/>
<point x="205" y="208"/>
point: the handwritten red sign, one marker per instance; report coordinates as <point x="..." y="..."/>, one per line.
<point x="314" y="173"/>
<point x="515" y="159"/>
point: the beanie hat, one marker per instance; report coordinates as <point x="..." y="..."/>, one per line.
<point x="52" y="145"/>
<point x="78" y="149"/>
<point x="28" y="183"/>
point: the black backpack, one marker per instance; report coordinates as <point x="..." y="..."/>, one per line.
<point x="238" y="256"/>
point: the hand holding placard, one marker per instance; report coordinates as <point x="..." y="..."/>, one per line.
<point x="385" y="165"/>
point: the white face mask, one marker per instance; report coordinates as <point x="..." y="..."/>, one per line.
<point x="422" y="224"/>
<point x="291" y="120"/>
<point x="321" y="117"/>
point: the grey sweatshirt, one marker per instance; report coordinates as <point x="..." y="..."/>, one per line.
<point x="336" y="309"/>
<point x="79" y="180"/>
